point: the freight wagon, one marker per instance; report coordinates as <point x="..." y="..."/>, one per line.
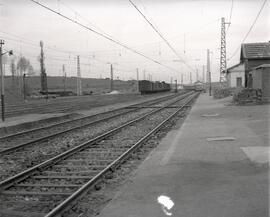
<point x="146" y="87"/>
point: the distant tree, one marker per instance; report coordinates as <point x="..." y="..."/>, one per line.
<point x="13" y="68"/>
<point x="31" y="71"/>
<point x="23" y="65"/>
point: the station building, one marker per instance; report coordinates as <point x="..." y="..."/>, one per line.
<point x="252" y="55"/>
<point x="236" y="75"/>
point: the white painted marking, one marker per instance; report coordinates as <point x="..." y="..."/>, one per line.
<point x="257" y="154"/>
<point x="211" y="139"/>
<point x="210" y="115"/>
<point x="166" y="204"/>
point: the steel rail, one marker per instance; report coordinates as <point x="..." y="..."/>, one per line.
<point x="60" y="106"/>
<point x="81" y="191"/>
<point x="17" y="147"/>
<point x="80" y="118"/>
<point x="23" y="175"/>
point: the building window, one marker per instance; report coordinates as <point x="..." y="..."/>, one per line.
<point x="239" y="81"/>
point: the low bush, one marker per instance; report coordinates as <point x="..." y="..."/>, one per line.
<point x="247" y="95"/>
<point x="222" y="92"/>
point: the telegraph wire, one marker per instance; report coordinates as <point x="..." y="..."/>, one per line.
<point x="230" y="16"/>
<point x="102" y="35"/>
<point x="83" y="18"/>
<point x="156" y="30"/>
<point x="251" y="27"/>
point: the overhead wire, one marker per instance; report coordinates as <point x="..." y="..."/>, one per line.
<point x="102" y="35"/>
<point x="163" y="38"/>
<point x="251" y="27"/>
<point x="230" y="18"/>
<point x="83" y="18"/>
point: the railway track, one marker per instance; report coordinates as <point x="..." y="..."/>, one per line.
<point x="51" y="187"/>
<point x="59" y="105"/>
<point x="13" y="142"/>
<point x="19" y="157"/>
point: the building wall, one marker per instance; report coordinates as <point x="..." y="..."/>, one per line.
<point x="257" y="79"/>
<point x="252" y="63"/>
<point x="261" y="80"/>
<point x="266" y="82"/>
<point x="234" y="74"/>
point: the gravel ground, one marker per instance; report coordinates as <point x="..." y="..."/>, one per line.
<point x="94" y="201"/>
<point x="121" y="140"/>
<point x="22" y="126"/>
<point x="27" y="137"/>
<point x="51" y="129"/>
<point x="10" y="164"/>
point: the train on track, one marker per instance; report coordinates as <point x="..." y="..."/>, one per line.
<point x="146" y="87"/>
<point x="197" y="86"/>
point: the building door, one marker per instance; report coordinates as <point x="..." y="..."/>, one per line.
<point x="239" y="82"/>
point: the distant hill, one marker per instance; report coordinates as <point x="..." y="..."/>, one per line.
<point x="13" y="87"/>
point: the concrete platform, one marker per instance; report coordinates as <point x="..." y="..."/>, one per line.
<point x="216" y="165"/>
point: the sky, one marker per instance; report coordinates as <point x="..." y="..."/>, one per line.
<point x="190" y="26"/>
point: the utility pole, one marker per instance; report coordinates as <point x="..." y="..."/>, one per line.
<point x="182" y="79"/>
<point x="223" y="61"/>
<point x="79" y="82"/>
<point x="208" y="71"/>
<point x="137" y="71"/>
<point x="197" y="75"/>
<point x="111" y="77"/>
<point x="43" y="75"/>
<point x="65" y="77"/>
<point x="171" y="81"/>
<point x="190" y="78"/>
<point x="175" y="85"/>
<point x="203" y="74"/>
<point x="2" y="42"/>
<point x="24" y="87"/>
<point x="143" y="74"/>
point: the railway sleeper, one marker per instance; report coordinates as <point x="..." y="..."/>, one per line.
<point x="34" y="193"/>
<point x="60" y="177"/>
<point x="67" y="173"/>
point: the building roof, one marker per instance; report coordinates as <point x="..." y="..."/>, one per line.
<point x="234" y="66"/>
<point x="263" y="66"/>
<point x="229" y="70"/>
<point x="255" y="51"/>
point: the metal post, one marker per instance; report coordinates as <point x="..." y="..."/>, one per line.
<point x="143" y="74"/>
<point x="43" y="75"/>
<point x="203" y="75"/>
<point x="24" y="87"/>
<point x="65" y="78"/>
<point x="223" y="61"/>
<point x="182" y="78"/>
<point x="2" y="83"/>
<point x="137" y="70"/>
<point x="190" y="77"/>
<point x="176" y="86"/>
<point x="208" y="71"/>
<point x="79" y="82"/>
<point x="111" y="77"/>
